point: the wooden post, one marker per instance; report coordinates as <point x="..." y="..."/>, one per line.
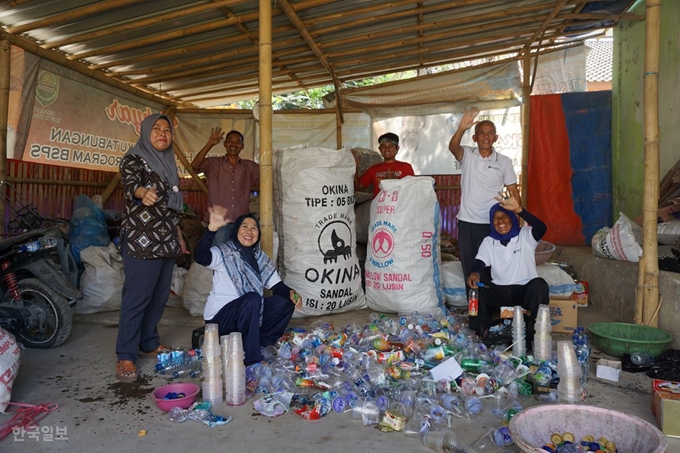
<point x="526" y="116"/>
<point x="338" y="125"/>
<point x="266" y="171"/>
<point x="5" y="49"/>
<point x="650" y="200"/>
<point x="187" y="165"/>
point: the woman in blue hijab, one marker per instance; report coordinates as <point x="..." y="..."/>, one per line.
<point x="236" y="302"/>
<point x="510" y="253"/>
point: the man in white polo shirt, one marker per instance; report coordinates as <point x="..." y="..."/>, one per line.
<point x="484" y="173"/>
<point x="509" y="251"/>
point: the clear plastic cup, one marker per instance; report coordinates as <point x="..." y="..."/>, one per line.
<point x="441" y="441"/>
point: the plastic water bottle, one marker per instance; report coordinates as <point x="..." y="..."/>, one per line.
<point x="473" y="302"/>
<point x="641" y="358"/>
<point x="582" y="357"/>
<point x="42" y="243"/>
<point x="189" y="369"/>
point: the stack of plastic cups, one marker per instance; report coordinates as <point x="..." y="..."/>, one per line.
<point x="224" y="348"/>
<point x="542" y="337"/>
<point x="518" y="333"/>
<point x="235" y="372"/>
<point x="212" y="365"/>
<point x="569" y="390"/>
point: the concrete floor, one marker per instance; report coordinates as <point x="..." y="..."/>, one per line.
<point x="100" y="414"/>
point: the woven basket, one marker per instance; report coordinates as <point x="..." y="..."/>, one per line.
<point x="544" y="251"/>
<point x="531" y="428"/>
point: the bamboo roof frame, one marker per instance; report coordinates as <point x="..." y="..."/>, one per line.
<point x="167" y="51"/>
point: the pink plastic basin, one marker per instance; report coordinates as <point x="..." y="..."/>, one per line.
<point x="190" y="391"/>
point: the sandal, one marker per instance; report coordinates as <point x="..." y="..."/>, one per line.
<point x="126" y="371"/>
<point x="161" y="348"/>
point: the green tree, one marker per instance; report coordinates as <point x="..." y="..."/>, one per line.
<point x="312" y="98"/>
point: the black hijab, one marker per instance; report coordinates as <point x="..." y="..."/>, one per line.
<point x="247" y="253"/>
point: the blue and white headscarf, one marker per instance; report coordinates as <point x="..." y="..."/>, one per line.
<point x="249" y="268"/>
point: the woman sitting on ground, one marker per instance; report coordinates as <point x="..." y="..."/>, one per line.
<point x="236" y="302"/>
<point x="510" y="252"/>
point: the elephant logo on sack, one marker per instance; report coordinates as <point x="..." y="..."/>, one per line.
<point x="383" y="243"/>
<point x="335" y="240"/>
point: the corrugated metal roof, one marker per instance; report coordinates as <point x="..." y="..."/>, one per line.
<point x="205" y="53"/>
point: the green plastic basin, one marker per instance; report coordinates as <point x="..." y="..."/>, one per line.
<point x="619" y="338"/>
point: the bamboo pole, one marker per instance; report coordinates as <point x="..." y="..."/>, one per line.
<point x="526" y="122"/>
<point x="650" y="200"/>
<point x="5" y="63"/>
<point x="187" y="166"/>
<point x="338" y="125"/>
<point x="266" y="171"/>
<point x="111" y="187"/>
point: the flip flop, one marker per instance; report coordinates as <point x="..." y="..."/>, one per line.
<point x="126" y="371"/>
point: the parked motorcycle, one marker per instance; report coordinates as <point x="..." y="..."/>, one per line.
<point x="38" y="288"/>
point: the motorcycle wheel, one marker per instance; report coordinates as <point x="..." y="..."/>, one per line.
<point x="53" y="308"/>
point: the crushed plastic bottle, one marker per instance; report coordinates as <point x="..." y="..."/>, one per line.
<point x="199" y="412"/>
<point x="42" y="243"/>
<point x="641" y="358"/>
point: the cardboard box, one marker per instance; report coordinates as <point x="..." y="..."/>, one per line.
<point x="666" y="406"/>
<point x="609" y="369"/>
<point x="563" y="315"/>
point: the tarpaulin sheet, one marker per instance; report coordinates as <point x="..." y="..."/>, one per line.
<point x="569" y="181"/>
<point x="495" y="87"/>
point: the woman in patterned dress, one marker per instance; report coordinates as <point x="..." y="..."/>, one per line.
<point x="150" y="241"/>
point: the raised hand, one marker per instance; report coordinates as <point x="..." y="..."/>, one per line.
<point x="216" y="136"/>
<point x="468" y="119"/>
<point x="218" y="217"/>
<point x="508" y="201"/>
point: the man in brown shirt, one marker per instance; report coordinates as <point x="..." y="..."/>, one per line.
<point x="229" y="177"/>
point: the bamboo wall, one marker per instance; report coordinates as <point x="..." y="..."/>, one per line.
<point x="51" y="190"/>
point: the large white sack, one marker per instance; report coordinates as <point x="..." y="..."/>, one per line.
<point x="102" y="281"/>
<point x="197" y="286"/>
<point x="621" y="242"/>
<point x="179" y="274"/>
<point x="668" y="233"/>
<point x="314" y="214"/>
<point x="10" y="355"/>
<point x="403" y="257"/>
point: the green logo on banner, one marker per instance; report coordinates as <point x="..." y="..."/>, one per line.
<point x="47" y="89"/>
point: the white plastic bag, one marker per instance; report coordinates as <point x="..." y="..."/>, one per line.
<point x="314" y="214"/>
<point x="669" y="232"/>
<point x="197" y="286"/>
<point x="621" y="242"/>
<point x="102" y="281"/>
<point x="403" y="256"/>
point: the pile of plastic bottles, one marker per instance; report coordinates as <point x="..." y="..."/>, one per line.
<point x="179" y="363"/>
<point x="379" y="373"/>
